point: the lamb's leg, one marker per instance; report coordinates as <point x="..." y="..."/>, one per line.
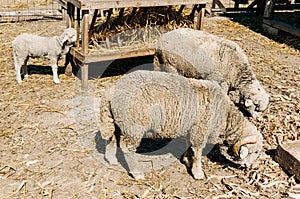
<point x="18" y="72"/>
<point x="19" y="61"/>
<point x="24" y="68"/>
<point x="54" y="70"/>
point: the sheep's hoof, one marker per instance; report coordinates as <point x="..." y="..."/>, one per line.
<point x="25" y="76"/>
<point x="198" y="175"/>
<point x="56" y="81"/>
<point x="137" y="175"/>
<point x="111" y="159"/>
<point x="198" y="172"/>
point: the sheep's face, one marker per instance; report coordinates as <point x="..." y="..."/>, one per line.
<point x="255" y="99"/>
<point x="247" y="149"/>
<point x="69" y="36"/>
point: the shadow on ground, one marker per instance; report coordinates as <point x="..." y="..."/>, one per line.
<point x="118" y="67"/>
<point x="254" y="23"/>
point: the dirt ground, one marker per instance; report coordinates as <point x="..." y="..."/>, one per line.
<point x="47" y="131"/>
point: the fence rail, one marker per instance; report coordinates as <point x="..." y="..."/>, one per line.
<point x="14" y="10"/>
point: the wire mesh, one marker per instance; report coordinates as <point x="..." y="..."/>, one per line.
<point x="15" y="10"/>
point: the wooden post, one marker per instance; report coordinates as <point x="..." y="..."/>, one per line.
<point x="131" y="17"/>
<point x="70" y="24"/>
<point x="85" y="47"/>
<point x="236" y="4"/>
<point x="192" y="14"/>
<point x="200" y="19"/>
<point x="110" y="12"/>
<point x="95" y="15"/>
<point x="269" y="9"/>
<point x="213" y="8"/>
<point x="78" y="26"/>
<point x="260" y="7"/>
<point x="70" y="12"/>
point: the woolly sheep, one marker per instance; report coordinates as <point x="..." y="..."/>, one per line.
<point x="28" y="45"/>
<point x="166" y="105"/>
<point x="201" y="55"/>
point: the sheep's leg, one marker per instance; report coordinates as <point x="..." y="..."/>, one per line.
<point x="197" y="167"/>
<point x="198" y="141"/>
<point x="111" y="151"/>
<point x="18" y="65"/>
<point x="24" y="68"/>
<point x="107" y="127"/>
<point x="156" y="63"/>
<point x="18" y="72"/>
<point x="54" y="70"/>
<point x="161" y="65"/>
<point x="169" y="68"/>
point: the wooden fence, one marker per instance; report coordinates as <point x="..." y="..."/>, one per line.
<point x="15" y="10"/>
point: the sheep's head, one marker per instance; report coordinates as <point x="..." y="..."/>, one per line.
<point x="69" y="36"/>
<point x="254" y="98"/>
<point x="245" y="150"/>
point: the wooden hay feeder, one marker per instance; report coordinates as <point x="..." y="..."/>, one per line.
<point x="288" y="156"/>
<point x="84" y="26"/>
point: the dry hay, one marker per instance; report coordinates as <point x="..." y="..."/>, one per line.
<point x="137" y="28"/>
<point x="42" y="154"/>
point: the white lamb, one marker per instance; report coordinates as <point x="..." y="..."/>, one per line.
<point x="28" y="45"/>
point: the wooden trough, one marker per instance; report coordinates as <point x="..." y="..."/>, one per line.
<point x="84" y="26"/>
<point x="288" y="156"/>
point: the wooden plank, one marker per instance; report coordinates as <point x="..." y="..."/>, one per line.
<point x="62" y="3"/>
<point x="110" y="12"/>
<point x="288" y="156"/>
<point x="200" y="19"/>
<point x="269" y="9"/>
<point x="78" y="13"/>
<point x="71" y="13"/>
<point x="283" y="26"/>
<point x="236" y="4"/>
<point x="106" y="4"/>
<point x="77" y="54"/>
<point x="85" y="31"/>
<point x="220" y="4"/>
<point x="119" y="55"/>
<point x="92" y="29"/>
<point x="28" y="13"/>
<point x="122" y="54"/>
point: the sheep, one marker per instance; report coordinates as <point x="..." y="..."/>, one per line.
<point x="28" y="45"/>
<point x="165" y="105"/>
<point x="201" y="55"/>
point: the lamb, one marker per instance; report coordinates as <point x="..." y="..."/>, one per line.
<point x="166" y="105"/>
<point x="28" y="45"/>
<point x="201" y="55"/>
